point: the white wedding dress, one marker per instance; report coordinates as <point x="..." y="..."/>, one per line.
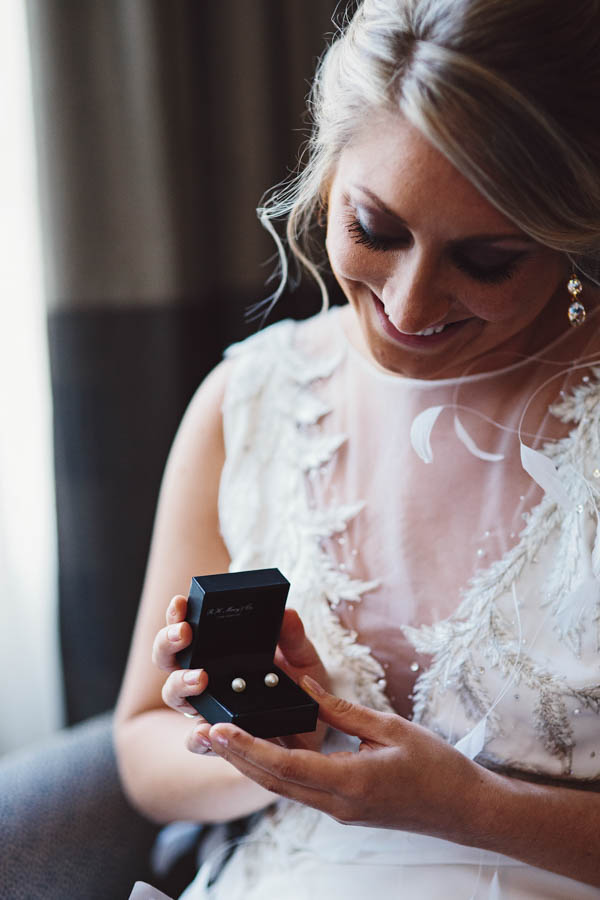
<point x="445" y="568"/>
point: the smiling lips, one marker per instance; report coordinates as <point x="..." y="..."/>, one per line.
<point x="428" y="336"/>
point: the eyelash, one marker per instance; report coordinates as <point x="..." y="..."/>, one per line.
<point x="362" y="236"/>
<point x="493" y="275"/>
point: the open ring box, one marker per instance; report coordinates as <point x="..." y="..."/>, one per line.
<point x="235" y="620"/>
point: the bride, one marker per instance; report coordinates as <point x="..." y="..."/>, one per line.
<point x="423" y="464"/>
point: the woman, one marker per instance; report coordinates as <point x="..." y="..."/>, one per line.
<point x="386" y="456"/>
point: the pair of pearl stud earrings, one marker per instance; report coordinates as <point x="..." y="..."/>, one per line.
<point x="238" y="684"/>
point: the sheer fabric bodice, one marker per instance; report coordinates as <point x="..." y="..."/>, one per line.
<point x="419" y="548"/>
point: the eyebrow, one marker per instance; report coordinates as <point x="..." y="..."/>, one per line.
<point x="467" y="239"/>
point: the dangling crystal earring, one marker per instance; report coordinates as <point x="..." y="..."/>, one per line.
<point x="576" y="311"/>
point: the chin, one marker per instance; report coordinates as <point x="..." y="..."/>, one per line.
<point x="398" y="360"/>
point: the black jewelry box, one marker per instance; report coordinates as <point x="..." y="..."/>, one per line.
<point x="236" y="618"/>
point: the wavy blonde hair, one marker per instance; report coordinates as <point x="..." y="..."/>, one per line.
<point x="507" y="90"/>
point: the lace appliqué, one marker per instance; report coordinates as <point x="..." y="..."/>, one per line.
<point x="275" y="449"/>
<point x="486" y="629"/>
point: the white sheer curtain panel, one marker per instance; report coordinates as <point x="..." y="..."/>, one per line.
<point x="30" y="696"/>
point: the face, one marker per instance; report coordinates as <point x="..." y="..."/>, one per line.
<point x="438" y="279"/>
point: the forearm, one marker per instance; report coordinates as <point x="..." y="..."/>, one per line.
<point x="406" y="778"/>
<point x="555" y="828"/>
<point x="167" y="782"/>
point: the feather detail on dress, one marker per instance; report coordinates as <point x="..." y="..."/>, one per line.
<point x="420" y="432"/>
<point x="596" y="554"/>
<point x="494" y="893"/>
<point x="473" y="742"/>
<point x="543" y="471"/>
<point x="465" y="438"/>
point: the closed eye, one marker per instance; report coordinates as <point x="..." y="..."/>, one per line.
<point x="485" y="265"/>
<point x="362" y="235"/>
<point x="490" y="272"/>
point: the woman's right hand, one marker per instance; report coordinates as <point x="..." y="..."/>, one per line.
<point x="295" y="654"/>
<point x="181" y="683"/>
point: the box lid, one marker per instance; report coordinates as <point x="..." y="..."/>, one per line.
<point x="235" y="619"/>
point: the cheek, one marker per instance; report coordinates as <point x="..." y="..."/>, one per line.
<point x="495" y="305"/>
<point x="519" y="300"/>
<point x="349" y="261"/>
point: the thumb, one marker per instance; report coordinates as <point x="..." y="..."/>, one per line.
<point x="297" y="649"/>
<point x="352" y="718"/>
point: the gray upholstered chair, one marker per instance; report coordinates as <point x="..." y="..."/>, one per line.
<point x="66" y="830"/>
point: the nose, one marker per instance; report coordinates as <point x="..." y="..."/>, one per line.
<point x="412" y="295"/>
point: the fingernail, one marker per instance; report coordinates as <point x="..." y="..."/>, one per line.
<point x="192" y="676"/>
<point x="174" y="632"/>
<point x="222" y="740"/>
<point x="204" y="741"/>
<point x="312" y="686"/>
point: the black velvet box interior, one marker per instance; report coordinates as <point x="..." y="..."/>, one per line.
<point x="235" y="620"/>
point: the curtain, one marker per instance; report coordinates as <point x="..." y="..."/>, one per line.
<point x="30" y="696"/>
<point x="159" y="126"/>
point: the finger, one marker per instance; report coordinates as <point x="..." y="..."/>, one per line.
<point x="198" y="741"/>
<point x="295" y="742"/>
<point x="177" y="609"/>
<point x="168" y="642"/>
<point x="293" y="643"/>
<point x="228" y="745"/>
<point x="351" y="718"/>
<point x="181" y="684"/>
<point x="304" y="768"/>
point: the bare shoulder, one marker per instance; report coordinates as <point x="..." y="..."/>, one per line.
<point x="203" y="418"/>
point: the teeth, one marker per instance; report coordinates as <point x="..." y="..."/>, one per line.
<point x="428" y="331"/>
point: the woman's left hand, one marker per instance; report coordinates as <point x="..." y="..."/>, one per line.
<point x="297" y="656"/>
<point x="403" y="775"/>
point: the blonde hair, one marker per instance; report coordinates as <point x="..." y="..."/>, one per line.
<point x="507" y="90"/>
